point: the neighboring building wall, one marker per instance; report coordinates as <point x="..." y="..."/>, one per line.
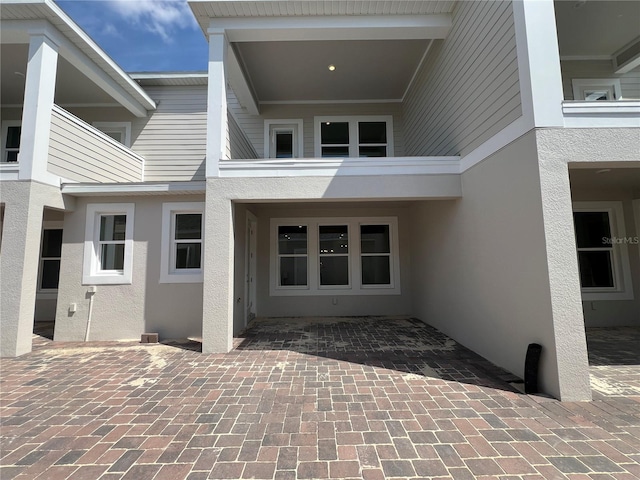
<point x="81" y="153"/>
<point x="615" y="312"/>
<point x="481" y="272"/>
<point x="253" y="125"/>
<point x="467" y="89"/>
<point x="126" y="311"/>
<point x="173" y="138"/>
<point x="629" y="82"/>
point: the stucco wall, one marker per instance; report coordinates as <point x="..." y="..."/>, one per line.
<point x="126" y="311"/>
<point x="481" y="267"/>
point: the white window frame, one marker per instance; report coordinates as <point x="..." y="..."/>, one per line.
<point x="355" y="286"/>
<point x="47" y="292"/>
<point x="579" y="86"/>
<point x="272" y="126"/>
<point x="354" y="141"/>
<point x="622" y="286"/>
<point x="5" y="134"/>
<point x="116" y="127"/>
<point x="168" y="272"/>
<point x="91" y="274"/>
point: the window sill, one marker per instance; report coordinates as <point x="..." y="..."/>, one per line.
<point x="107" y="280"/>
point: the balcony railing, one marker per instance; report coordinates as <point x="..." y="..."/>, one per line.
<point x="82" y="153"/>
<point x="601" y="114"/>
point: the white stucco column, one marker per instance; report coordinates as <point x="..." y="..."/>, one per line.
<point x="216" y="102"/>
<point x="19" y="266"/>
<point x="39" y="92"/>
<point x="218" y="301"/>
<point x="539" y="62"/>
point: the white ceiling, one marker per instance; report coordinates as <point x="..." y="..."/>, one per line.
<point x="596" y="27"/>
<point x="298" y="70"/>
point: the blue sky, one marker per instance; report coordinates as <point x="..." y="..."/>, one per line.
<point x="143" y="35"/>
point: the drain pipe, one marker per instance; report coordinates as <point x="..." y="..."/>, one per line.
<point x="90" y="293"/>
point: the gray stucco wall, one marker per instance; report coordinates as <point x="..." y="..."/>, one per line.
<point x="481" y="270"/>
<point x="126" y="311"/>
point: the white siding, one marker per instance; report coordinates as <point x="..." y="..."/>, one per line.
<point x="467" y="90"/>
<point x="173" y="138"/>
<point x="238" y="145"/>
<point x="629" y="82"/>
<point x="253" y="125"/>
<point x="79" y="152"/>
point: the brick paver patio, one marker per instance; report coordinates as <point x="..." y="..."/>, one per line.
<point x="311" y="398"/>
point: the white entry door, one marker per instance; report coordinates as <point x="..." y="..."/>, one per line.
<point x="250" y="268"/>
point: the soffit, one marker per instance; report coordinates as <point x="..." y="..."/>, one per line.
<point x="298" y="71"/>
<point x="605" y="178"/>
<point x="47" y="10"/>
<point x="596" y="27"/>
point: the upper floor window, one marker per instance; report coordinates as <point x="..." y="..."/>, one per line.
<point x="596" y="89"/>
<point x="11" y="131"/>
<point x="603" y="259"/>
<point x="108" y="249"/>
<point x="283" y="139"/>
<point x="354" y="137"/>
<point x="119" y="131"/>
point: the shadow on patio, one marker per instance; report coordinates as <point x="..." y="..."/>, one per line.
<point x="397" y="343"/>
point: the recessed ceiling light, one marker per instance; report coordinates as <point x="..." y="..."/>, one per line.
<point x="332" y="68"/>
<point x="604" y="170"/>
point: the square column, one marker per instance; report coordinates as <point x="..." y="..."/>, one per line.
<point x="19" y="266"/>
<point x="39" y="92"/>
<point x="217" y="102"/>
<point x="218" y="294"/>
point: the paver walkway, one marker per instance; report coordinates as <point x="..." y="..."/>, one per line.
<point x="302" y="399"/>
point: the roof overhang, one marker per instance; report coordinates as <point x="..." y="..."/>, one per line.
<point x="22" y="18"/>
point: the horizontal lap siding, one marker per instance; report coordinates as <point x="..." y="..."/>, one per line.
<point x="253" y="125"/>
<point x="173" y="138"/>
<point x="77" y="154"/>
<point x="629" y="82"/>
<point x="238" y="146"/>
<point x="468" y="88"/>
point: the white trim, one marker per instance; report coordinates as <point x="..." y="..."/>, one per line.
<point x="581" y="58"/>
<point x="334" y="27"/>
<point x="332" y="167"/>
<point x="90" y="273"/>
<point x="623" y="287"/>
<point x="123" y="128"/>
<point x="5" y="134"/>
<point x="330" y="102"/>
<point x="102" y="189"/>
<point x="579" y="85"/>
<point x="167" y="257"/>
<point x="353" y="121"/>
<point x="415" y="73"/>
<point x="298" y="135"/>
<point x="601" y="114"/>
<point x="313" y="287"/>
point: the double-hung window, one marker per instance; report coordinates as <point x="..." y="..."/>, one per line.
<point x="602" y="251"/>
<point x="354" y="137"/>
<point x="182" y="242"/>
<point x="335" y="256"/>
<point x="108" y="250"/>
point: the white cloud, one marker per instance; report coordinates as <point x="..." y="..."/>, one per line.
<point x="110" y="29"/>
<point x="161" y="17"/>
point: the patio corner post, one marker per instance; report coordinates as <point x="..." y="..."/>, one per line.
<point x="216" y="102"/>
<point x="217" y="303"/>
<point x="19" y="266"/>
